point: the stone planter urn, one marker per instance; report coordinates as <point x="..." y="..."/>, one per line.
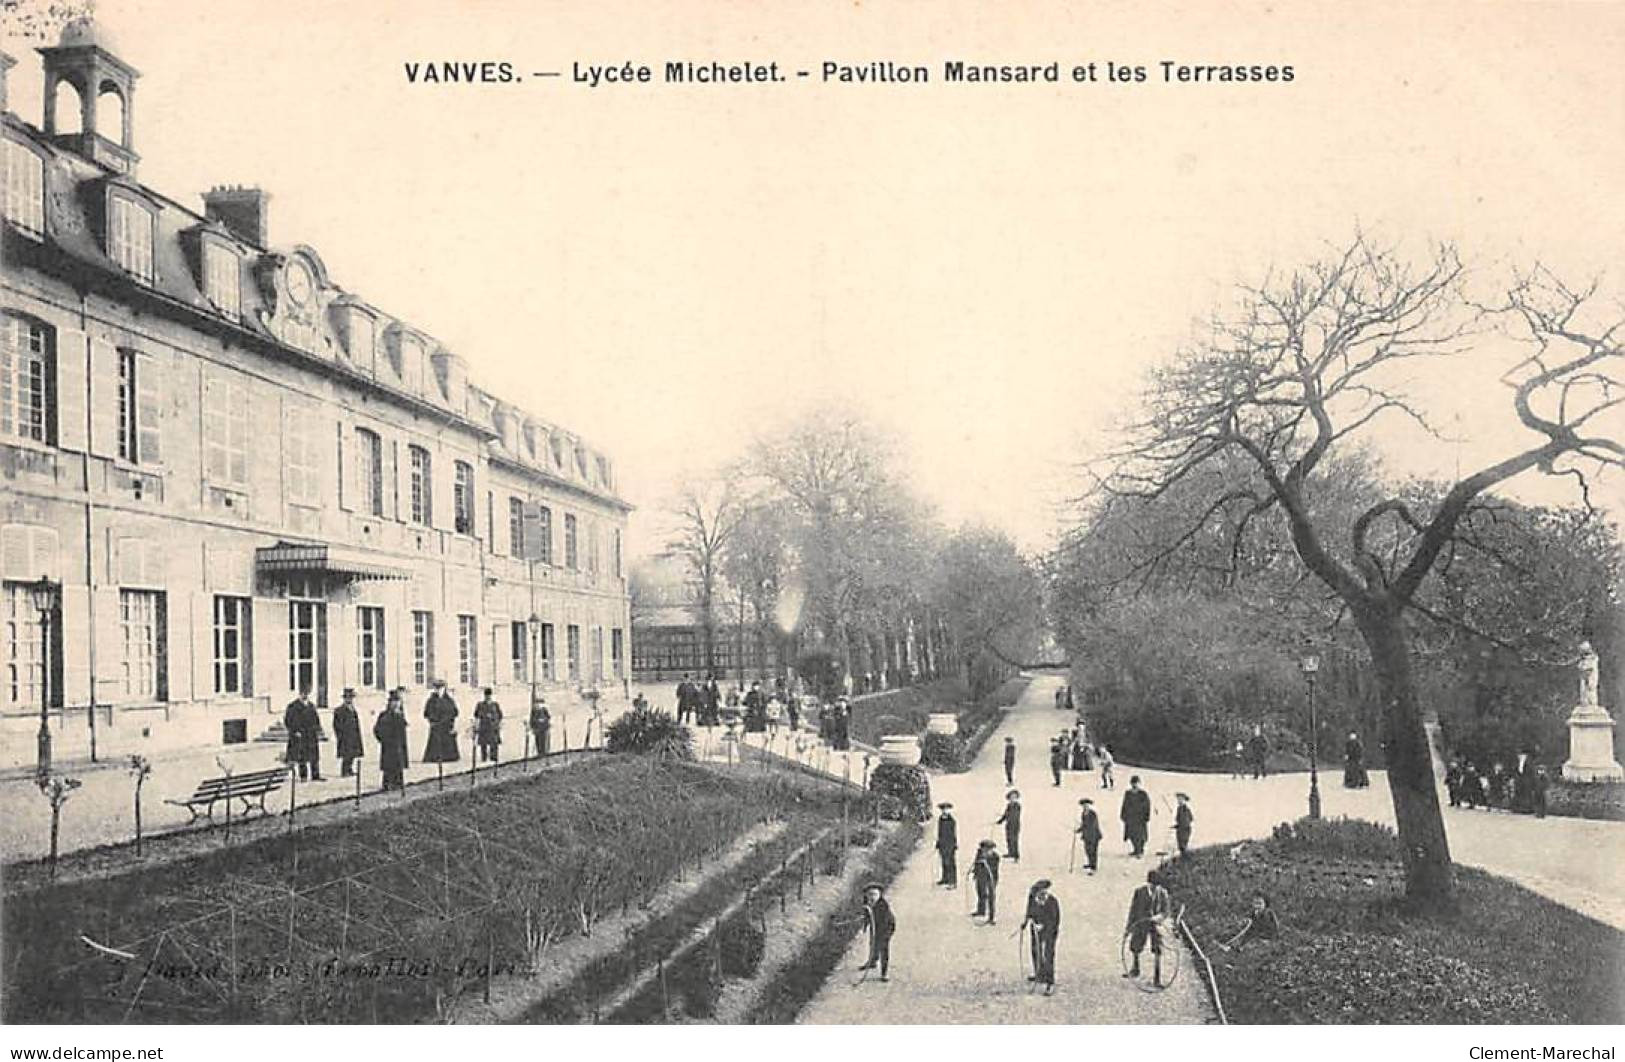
<point x="942" y="723"/>
<point x="900" y="748"/>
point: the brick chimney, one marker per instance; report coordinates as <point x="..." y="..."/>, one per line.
<point x="240" y="209"/>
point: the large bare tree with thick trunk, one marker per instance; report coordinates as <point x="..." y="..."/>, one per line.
<point x="707" y="514"/>
<point x="1306" y="367"/>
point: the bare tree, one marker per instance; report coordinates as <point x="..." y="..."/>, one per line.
<point x="1311" y="361"/>
<point x="708" y="512"/>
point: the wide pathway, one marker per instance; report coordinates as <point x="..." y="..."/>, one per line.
<point x="949" y="968"/>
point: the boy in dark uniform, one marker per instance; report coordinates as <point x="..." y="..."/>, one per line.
<point x="1183" y="820"/>
<point x="1011" y="821"/>
<point x="1057" y="759"/>
<point x="1009" y="761"/>
<point x="948" y="846"/>
<point x="878" y="920"/>
<point x="1148" y="913"/>
<point x="1089" y="830"/>
<point x="1044" y="915"/>
<point x="985" y="872"/>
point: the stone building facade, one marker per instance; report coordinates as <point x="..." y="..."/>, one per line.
<point x="240" y="477"/>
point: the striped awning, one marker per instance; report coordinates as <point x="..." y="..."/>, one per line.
<point x="319" y="558"/>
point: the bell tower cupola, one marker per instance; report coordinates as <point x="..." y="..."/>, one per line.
<point x="90" y="97"/>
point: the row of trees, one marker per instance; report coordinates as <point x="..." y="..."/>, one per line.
<point x="815" y="531"/>
<point x="1244" y="500"/>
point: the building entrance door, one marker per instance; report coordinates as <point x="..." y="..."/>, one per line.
<point x="307" y="648"/>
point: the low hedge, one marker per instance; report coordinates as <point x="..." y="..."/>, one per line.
<point x="1503" y="955"/>
<point x="945" y="752"/>
<point x="1587" y="800"/>
<point x="904" y="791"/>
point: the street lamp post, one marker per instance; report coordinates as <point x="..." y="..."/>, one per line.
<point x="1310" y="664"/>
<point x="43" y="595"/>
<point x="535" y="625"/>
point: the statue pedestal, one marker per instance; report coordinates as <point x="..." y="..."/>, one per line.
<point x="1591" y="746"/>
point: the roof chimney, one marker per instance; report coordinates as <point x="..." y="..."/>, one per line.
<point x="240" y="209"/>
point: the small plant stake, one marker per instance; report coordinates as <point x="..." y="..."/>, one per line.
<point x="140" y="767"/>
<point x="56" y="788"/>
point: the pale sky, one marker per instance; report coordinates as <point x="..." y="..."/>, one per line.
<point x="985" y="270"/>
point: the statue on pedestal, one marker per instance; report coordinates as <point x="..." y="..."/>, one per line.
<point x="1591" y="729"/>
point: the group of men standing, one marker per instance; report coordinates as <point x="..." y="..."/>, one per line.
<point x="304" y="732"/>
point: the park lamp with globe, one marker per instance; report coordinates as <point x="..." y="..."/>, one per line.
<point x="43" y="595"/>
<point x="1310" y="666"/>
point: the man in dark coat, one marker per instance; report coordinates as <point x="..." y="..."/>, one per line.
<point x="1258" y="752"/>
<point x="541" y="725"/>
<point x="1089" y="830"/>
<point x="1453" y="782"/>
<point x="1354" y="776"/>
<point x="686" y="697"/>
<point x="948" y="845"/>
<point x="1136" y="815"/>
<point x="1057" y="759"/>
<point x="1044" y="915"/>
<point x="347" y="733"/>
<point x="713" y="703"/>
<point x="1009" y="761"/>
<point x="985" y="872"/>
<point x="1184" y="819"/>
<point x="441" y="712"/>
<point x="488" y="727"/>
<point x="1011" y="821"/>
<point x="755" y="709"/>
<point x="1148" y="915"/>
<point x="304" y="728"/>
<point x="390" y="730"/>
<point x="881" y="925"/>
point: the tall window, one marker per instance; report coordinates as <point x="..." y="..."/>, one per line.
<point x="520" y="641"/>
<point x="141" y="623"/>
<point x="232" y="637"/>
<point x="592" y="546"/>
<point x="127" y="449"/>
<point x="24" y="191"/>
<point x="369" y="625"/>
<point x="129" y="237"/>
<point x="597" y="654"/>
<point x="462" y="498"/>
<point x="570" y="541"/>
<point x="222" y="281"/>
<point x="25" y="373"/>
<point x="302" y="457"/>
<point x="572" y="648"/>
<point x="468" y="650"/>
<point x="422" y="502"/>
<point x="617" y="553"/>
<point x="28" y="662"/>
<point x="516" y="527"/>
<point x="225" y="431"/>
<point x="544" y="529"/>
<point x="546" y="654"/>
<point x="617" y="652"/>
<point x="422" y="648"/>
<point x="369" y="471"/>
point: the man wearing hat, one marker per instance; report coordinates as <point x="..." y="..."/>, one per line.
<point x="1057" y="759"/>
<point x="948" y="845"/>
<point x="878" y="920"/>
<point x="1011" y="821"/>
<point x="1136" y="816"/>
<point x="347" y="732"/>
<point x="488" y="727"/>
<point x="985" y="872"/>
<point x="1183" y="819"/>
<point x="1148" y="913"/>
<point x="1044" y="915"/>
<point x="441" y="712"/>
<point x="1009" y="761"/>
<point x="304" y="728"/>
<point x="541" y="724"/>
<point x="1089" y="830"/>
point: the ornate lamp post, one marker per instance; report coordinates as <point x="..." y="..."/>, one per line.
<point x="43" y="595"/>
<point x="1310" y="665"/>
<point x="535" y="625"/>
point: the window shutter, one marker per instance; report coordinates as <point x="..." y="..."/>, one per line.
<point x="16" y="556"/>
<point x="103" y="398"/>
<point x="76" y="636"/>
<point x="346" y="463"/>
<point x="72" y="385"/>
<point x="392" y="480"/>
<point x="109" y="635"/>
<point x="445" y="505"/>
<point x="269" y="638"/>
<point x="149" y="390"/>
<point x="202" y="642"/>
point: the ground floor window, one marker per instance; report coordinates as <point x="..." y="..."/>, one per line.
<point x="370" y="650"/>
<point x="307" y="644"/>
<point x="30" y="660"/>
<point x="597" y="655"/>
<point x="547" y="654"/>
<point x="422" y="648"/>
<point x="232" y="638"/>
<point x="519" y="639"/>
<point x="572" y="642"/>
<point x="468" y="651"/>
<point x="141" y="622"/>
<point x="617" y="652"/>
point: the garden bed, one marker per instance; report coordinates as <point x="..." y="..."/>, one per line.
<point x="382" y="917"/>
<point x="1353" y="951"/>
<point x="1594" y="800"/>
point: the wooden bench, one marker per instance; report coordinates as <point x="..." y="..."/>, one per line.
<point x="251" y="787"/>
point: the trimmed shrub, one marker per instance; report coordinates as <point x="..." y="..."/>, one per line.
<point x="742" y="945"/>
<point x="945" y="752"/>
<point x="650" y="731"/>
<point x="905" y="791"/>
<point x="1344" y="838"/>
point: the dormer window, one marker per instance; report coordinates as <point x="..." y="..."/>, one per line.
<point x="222" y="277"/>
<point x="581" y="462"/>
<point x="558" y="452"/>
<point x="24" y="191"/>
<point x="129" y="237"/>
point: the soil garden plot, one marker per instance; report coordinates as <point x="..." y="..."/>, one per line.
<point x="384" y="917"/>
<point x="1352" y="951"/>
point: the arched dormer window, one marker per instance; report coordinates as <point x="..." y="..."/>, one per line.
<point x="24" y="190"/>
<point x="222" y="276"/>
<point x="130" y="234"/>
